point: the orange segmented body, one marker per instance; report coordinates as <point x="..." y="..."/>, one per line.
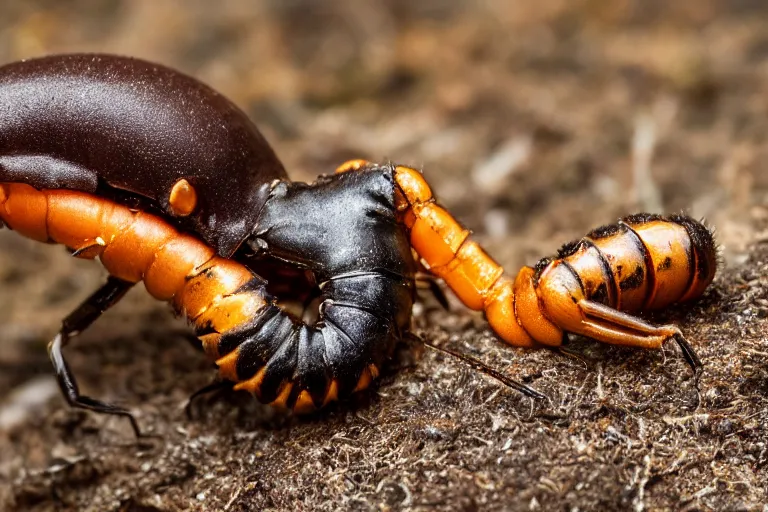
<point x="136" y="246"/>
<point x="643" y="262"/>
<point x="217" y="295"/>
<point x="169" y="183"/>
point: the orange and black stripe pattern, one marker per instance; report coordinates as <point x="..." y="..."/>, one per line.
<point x="278" y="358"/>
<point x="643" y="262"/>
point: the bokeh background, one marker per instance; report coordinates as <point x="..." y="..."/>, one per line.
<point x="535" y="122"/>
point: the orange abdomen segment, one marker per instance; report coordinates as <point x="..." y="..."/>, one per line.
<point x="25" y="209"/>
<point x="135" y="246"/>
<point x="594" y="271"/>
<point x="669" y="251"/>
<point x="626" y="257"/>
<point x="530" y="313"/>
<point x="210" y="282"/>
<point x="500" y="311"/>
<point x="173" y="262"/>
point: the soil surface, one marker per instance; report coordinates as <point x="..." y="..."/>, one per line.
<point x="535" y="121"/>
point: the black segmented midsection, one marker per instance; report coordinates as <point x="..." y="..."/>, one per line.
<point x="361" y="319"/>
<point x="345" y="230"/>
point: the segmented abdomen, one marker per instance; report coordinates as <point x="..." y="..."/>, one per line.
<point x="287" y="363"/>
<point x="276" y="357"/>
<point x="136" y="246"/>
<point x="643" y="262"/>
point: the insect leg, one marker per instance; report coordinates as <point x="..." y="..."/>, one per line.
<point x="429" y="282"/>
<point x="85" y="314"/>
<point x="214" y="387"/>
<point x="482" y="367"/>
<point x="608" y="325"/>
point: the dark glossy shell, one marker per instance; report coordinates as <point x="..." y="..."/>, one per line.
<point x="105" y="124"/>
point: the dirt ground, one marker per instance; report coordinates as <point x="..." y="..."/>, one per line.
<point x="535" y="121"/>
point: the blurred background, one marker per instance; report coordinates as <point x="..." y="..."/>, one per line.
<point x="534" y="122"/>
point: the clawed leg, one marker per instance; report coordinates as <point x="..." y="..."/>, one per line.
<point x="608" y="325"/>
<point x="85" y="314"/>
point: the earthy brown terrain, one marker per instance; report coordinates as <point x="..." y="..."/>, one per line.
<point x="535" y="121"/>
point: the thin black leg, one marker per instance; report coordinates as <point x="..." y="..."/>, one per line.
<point x="213" y="387"/>
<point x="77" y="321"/>
<point x="434" y="288"/>
<point x="482" y="367"/>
